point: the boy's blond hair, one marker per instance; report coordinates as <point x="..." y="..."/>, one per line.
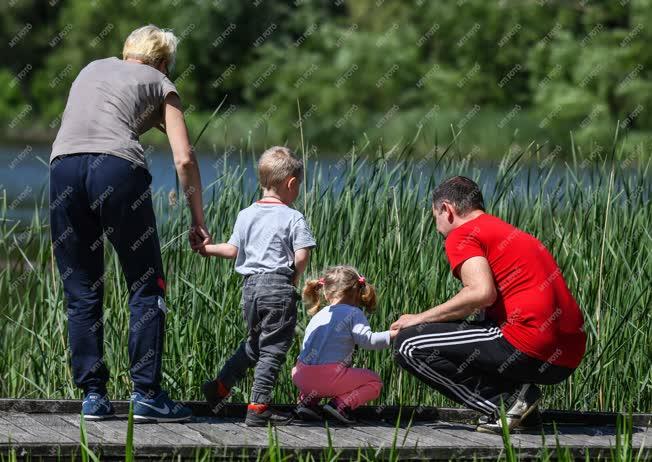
<point x="151" y="45"/>
<point x="276" y="164"/>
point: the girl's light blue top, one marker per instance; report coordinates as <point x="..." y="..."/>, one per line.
<point x="333" y="332"/>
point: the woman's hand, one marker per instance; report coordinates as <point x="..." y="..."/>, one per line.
<point x="406" y="320"/>
<point x="198" y="236"/>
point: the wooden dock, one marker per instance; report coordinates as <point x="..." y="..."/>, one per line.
<point x="51" y="429"/>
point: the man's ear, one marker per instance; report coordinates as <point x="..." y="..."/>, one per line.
<point x="450" y="213"/>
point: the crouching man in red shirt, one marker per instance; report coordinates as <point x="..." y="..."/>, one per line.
<point x="533" y="328"/>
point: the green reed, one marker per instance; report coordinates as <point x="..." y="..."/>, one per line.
<point x="376" y="216"/>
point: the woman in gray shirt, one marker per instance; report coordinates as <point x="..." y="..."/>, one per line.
<point x="100" y="187"/>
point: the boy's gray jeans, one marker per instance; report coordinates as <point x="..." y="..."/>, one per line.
<point x="269" y="306"/>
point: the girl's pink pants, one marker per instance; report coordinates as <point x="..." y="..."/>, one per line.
<point x="348" y="386"/>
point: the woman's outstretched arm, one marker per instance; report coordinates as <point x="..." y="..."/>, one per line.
<point x="187" y="169"/>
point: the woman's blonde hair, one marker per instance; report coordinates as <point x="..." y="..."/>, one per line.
<point x="151" y="45"/>
<point x="338" y="281"/>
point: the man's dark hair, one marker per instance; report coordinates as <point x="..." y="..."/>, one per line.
<point x="462" y="192"/>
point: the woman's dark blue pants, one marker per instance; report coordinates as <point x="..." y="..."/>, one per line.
<point x="93" y="197"/>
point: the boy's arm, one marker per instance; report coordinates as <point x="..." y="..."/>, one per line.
<point x="302" y="241"/>
<point x="223" y="250"/>
<point x="301" y="259"/>
<point x="226" y="249"/>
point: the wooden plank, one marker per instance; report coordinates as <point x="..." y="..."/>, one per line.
<point x="116" y="432"/>
<point x="16" y="434"/>
<point x="642" y="437"/>
<point x="434" y="443"/>
<point x="107" y="431"/>
<point x="309" y="439"/>
<point x="582" y="436"/>
<point x="36" y="428"/>
<point x="47" y="434"/>
<point x="286" y="439"/>
<point x="388" y="413"/>
<point x="456" y="441"/>
<point x="315" y="432"/>
<point x="341" y="436"/>
<point x="368" y="440"/>
<point x="94" y="436"/>
<point x="388" y="432"/>
<point x="225" y="433"/>
<point x="56" y="424"/>
<point x="521" y="440"/>
<point x="188" y="433"/>
<point x="155" y="433"/>
<point x="444" y="433"/>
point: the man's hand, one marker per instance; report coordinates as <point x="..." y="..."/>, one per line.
<point x="406" y="320"/>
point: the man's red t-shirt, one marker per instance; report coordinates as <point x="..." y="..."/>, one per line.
<point x="534" y="308"/>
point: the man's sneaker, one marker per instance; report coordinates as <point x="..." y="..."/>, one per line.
<point x="341" y="413"/>
<point x="531" y="423"/>
<point x="308" y="412"/>
<point x="158" y="409"/>
<point x="97" y="407"/>
<point x="259" y="415"/>
<point x="215" y="393"/>
<point x="524" y="403"/>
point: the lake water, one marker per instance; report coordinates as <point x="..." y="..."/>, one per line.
<point x="24" y="174"/>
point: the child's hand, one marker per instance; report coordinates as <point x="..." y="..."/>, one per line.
<point x="203" y="251"/>
<point x="393" y="333"/>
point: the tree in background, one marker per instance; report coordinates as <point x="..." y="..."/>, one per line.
<point x="382" y="69"/>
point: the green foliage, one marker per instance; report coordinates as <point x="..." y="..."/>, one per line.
<point x="363" y="67"/>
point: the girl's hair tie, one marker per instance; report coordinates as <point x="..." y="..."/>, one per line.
<point x="322" y="282"/>
<point x="361" y="280"/>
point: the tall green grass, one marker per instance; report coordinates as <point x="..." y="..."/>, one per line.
<point x="373" y="212"/>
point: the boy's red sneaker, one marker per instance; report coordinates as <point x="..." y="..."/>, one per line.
<point x="259" y="415"/>
<point x="215" y="392"/>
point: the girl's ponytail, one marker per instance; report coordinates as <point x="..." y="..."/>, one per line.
<point x="368" y="297"/>
<point x="311" y="295"/>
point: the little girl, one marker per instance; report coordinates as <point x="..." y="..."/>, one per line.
<point x="323" y="367"/>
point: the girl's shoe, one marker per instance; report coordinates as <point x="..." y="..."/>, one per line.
<point x="340" y="413"/>
<point x="158" y="409"/>
<point x="307" y="412"/>
<point x="97" y="407"/>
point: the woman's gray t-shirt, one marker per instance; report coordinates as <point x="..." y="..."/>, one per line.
<point x="111" y="103"/>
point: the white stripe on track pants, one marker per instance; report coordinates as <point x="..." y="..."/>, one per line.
<point x="471" y="363"/>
